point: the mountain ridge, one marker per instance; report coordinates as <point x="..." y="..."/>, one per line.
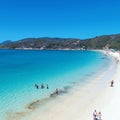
<point x="48" y="43"/>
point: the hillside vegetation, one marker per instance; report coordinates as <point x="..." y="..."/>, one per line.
<point x="113" y="41"/>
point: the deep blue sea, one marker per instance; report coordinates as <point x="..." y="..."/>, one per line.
<point x="20" y="70"/>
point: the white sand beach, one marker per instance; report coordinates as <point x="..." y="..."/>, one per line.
<point x="80" y="104"/>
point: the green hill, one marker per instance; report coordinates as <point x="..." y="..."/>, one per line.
<point x="64" y="43"/>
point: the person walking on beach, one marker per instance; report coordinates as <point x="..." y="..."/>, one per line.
<point x="112" y="82"/>
<point x="95" y="115"/>
<point x="99" y="116"/>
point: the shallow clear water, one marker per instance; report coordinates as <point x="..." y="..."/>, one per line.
<point x="20" y="70"/>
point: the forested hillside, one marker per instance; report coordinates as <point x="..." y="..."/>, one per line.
<point x="113" y="41"/>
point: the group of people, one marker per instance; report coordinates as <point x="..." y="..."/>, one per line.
<point x="96" y="115"/>
<point x="42" y="86"/>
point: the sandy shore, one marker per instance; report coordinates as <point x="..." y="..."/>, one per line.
<point x="80" y="104"/>
<point x="110" y="110"/>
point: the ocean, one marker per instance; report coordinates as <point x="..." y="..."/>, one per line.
<point x="20" y="70"/>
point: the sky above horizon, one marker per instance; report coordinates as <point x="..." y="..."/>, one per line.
<point x="64" y="18"/>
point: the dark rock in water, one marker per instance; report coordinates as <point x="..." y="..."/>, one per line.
<point x="88" y="75"/>
<point x="36" y="104"/>
<point x="33" y="105"/>
<point x="74" y="83"/>
<point x="53" y="95"/>
<point x="67" y="88"/>
<point x="15" y="116"/>
<point x="63" y="91"/>
<point x="102" y="58"/>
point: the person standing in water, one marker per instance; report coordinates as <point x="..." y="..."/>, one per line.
<point x="36" y="86"/>
<point x="42" y="86"/>
<point x="47" y="86"/>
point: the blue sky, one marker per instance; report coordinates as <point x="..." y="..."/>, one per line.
<point x="58" y="18"/>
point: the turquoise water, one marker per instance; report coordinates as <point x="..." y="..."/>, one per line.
<point x="20" y="70"/>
